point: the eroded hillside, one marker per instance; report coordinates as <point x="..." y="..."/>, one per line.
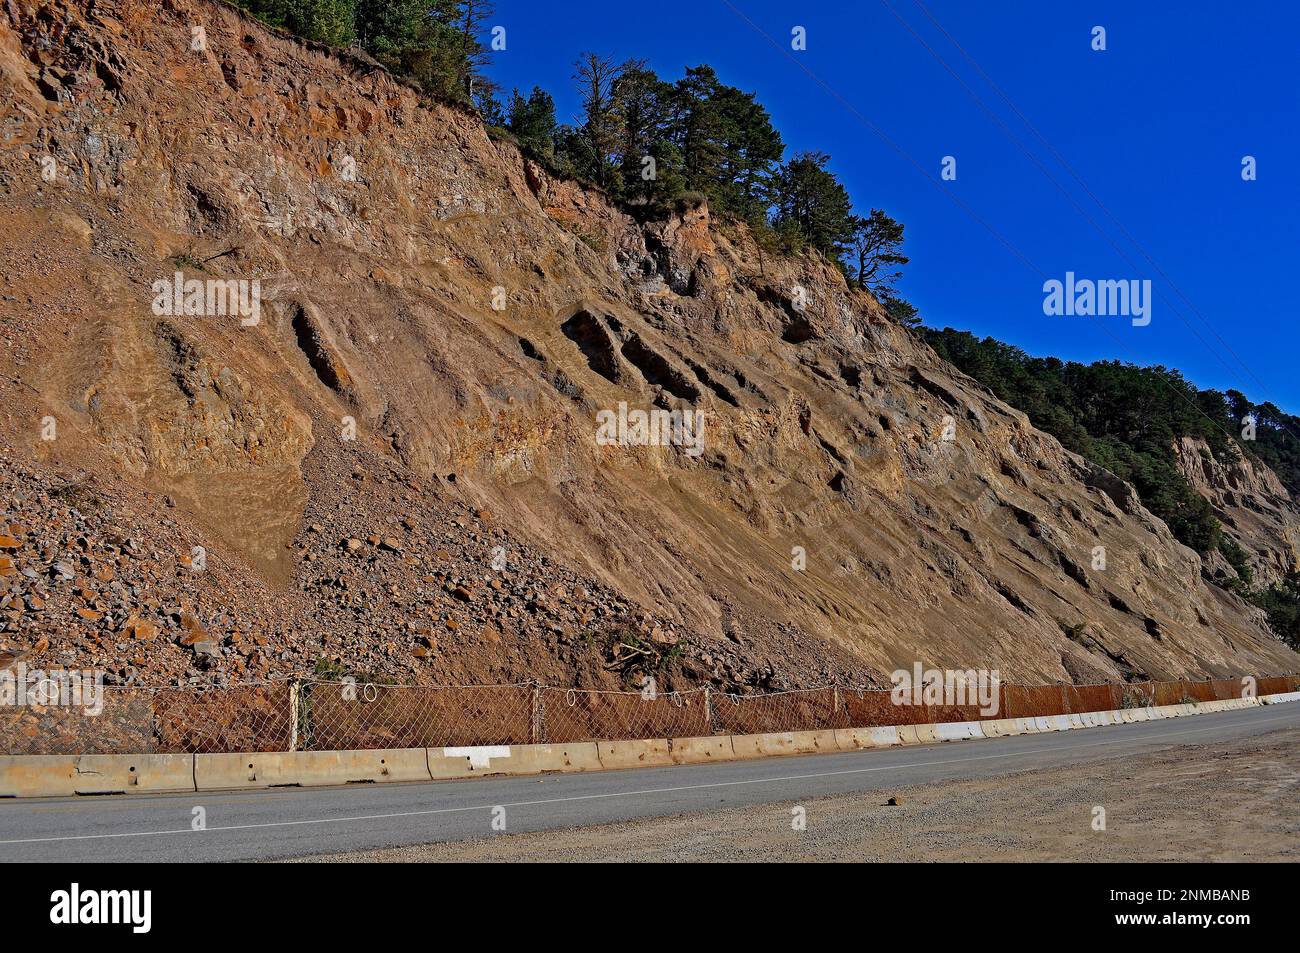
<point x="467" y="316"/>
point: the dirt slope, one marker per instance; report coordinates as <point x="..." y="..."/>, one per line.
<point x="470" y="316"/>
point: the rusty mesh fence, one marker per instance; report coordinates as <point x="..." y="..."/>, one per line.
<point x="149" y="720"/>
<point x="291" y="715"/>
<point x="781" y="711"/>
<point x="342" y="716"/>
<point x="569" y="715"/>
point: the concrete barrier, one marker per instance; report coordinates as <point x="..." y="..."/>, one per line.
<point x="958" y="730"/>
<point x="786" y="742"/>
<point x="449" y="764"/>
<point x="545" y="759"/>
<point x="224" y="772"/>
<point x="855" y="739"/>
<point x="908" y="735"/>
<point x="701" y="750"/>
<point x="634" y="754"/>
<point x="63" y="775"/>
<point x="927" y="734"/>
<point x="54" y="775"/>
<point x="1277" y="699"/>
<point x="487" y="760"/>
<point x="1000" y="728"/>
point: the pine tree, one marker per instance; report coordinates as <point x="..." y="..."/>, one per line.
<point x="532" y="122"/>
<point x="811" y="203"/>
<point x="595" y="76"/>
<point x="750" y="150"/>
<point x="473" y="16"/>
<point x="697" y="129"/>
<point x="877" y="245"/>
<point x="644" y="110"/>
<point x="329" y="21"/>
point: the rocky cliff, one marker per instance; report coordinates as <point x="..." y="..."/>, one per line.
<point x="395" y="467"/>
<point x="1256" y="510"/>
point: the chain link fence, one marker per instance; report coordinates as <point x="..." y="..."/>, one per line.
<point x="308" y="715"/>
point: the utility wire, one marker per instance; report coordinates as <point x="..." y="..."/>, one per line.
<point x="852" y="110"/>
<point x="1082" y="184"/>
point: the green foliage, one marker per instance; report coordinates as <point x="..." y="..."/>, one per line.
<point x="329" y="21"/>
<point x="435" y="42"/>
<point x="643" y="105"/>
<point x="1127" y="418"/>
<point x="703" y="136"/>
<point x="1123" y="417"/>
<point x="532" y="122"/>
<point x="1276" y="440"/>
<point x="877" y="249"/>
<point x="1282" y="604"/>
<point x="904" y="312"/>
<point x="596" y="139"/>
<point x="809" y="200"/>
<point x="1237" y="558"/>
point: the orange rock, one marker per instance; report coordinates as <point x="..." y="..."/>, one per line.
<point x="194" y="631"/>
<point x="90" y="615"/>
<point x="7" y="566"/>
<point x="140" y="629"/>
<point x="8" y="542"/>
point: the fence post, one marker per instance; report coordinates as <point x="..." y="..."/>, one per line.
<point x="293" y="714"/>
<point x="708" y="711"/>
<point x="535" y="731"/>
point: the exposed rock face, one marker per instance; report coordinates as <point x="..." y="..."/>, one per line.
<point x="1255" y="508"/>
<point x="466" y="317"/>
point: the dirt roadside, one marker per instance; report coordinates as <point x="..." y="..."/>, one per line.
<point x="1236" y="801"/>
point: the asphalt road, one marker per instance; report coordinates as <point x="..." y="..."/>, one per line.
<point x="292" y="822"/>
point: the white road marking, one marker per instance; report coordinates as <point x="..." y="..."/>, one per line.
<point x="610" y="794"/>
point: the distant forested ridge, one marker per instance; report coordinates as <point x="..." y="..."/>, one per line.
<point x="1127" y="419"/>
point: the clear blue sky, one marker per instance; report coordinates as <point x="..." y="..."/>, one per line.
<point x="1156" y="126"/>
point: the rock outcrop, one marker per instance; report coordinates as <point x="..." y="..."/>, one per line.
<point x="441" y="323"/>
<point x="1254" y="507"/>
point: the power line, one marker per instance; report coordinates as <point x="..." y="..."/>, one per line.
<point x="1084" y="185"/>
<point x="939" y="185"/>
